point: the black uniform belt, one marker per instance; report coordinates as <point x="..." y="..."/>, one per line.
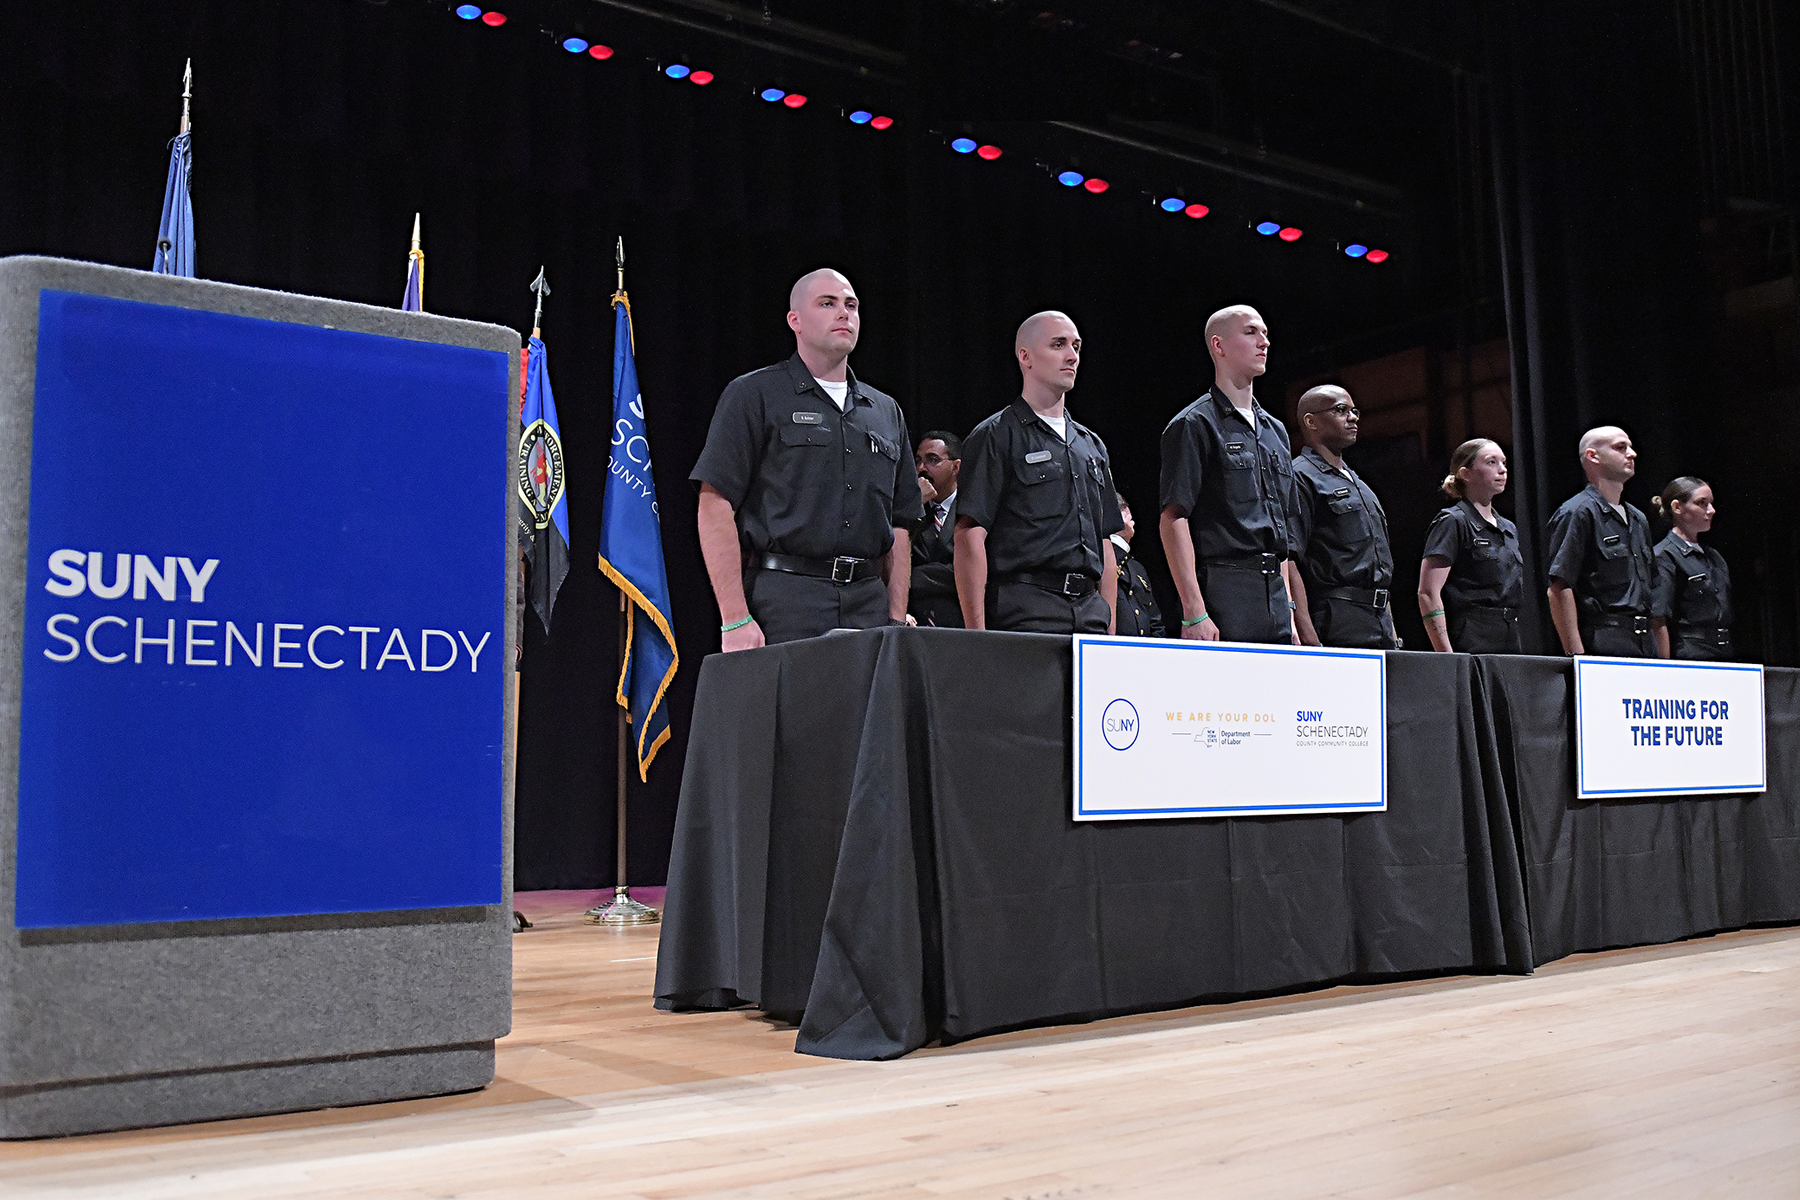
<point x="1636" y="622"/>
<point x="1268" y="564"/>
<point x="838" y="570"/>
<point x="1073" y="584"/>
<point x="1718" y="636"/>
<point x="1373" y="598"/>
<point x="1505" y="610"/>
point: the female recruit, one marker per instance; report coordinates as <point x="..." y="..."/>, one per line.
<point x="1690" y="596"/>
<point x="1472" y="580"/>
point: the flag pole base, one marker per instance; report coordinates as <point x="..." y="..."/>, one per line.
<point x="623" y="911"/>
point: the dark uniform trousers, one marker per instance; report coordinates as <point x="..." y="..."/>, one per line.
<point x="1476" y="629"/>
<point x="1248" y="605"/>
<point x="790" y="607"/>
<point x="1340" y="621"/>
<point x="1617" y="641"/>
<point x="1027" y="608"/>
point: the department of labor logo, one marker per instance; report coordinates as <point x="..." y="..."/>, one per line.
<point x="1119" y="724"/>
<point x="540" y="471"/>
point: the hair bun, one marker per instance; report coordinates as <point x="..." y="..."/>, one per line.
<point x="1452" y="487"/>
<point x="1656" y="502"/>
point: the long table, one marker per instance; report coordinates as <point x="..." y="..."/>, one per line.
<point x="1600" y="874"/>
<point x="875" y="841"/>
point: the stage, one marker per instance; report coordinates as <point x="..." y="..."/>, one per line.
<point x="1661" y="1071"/>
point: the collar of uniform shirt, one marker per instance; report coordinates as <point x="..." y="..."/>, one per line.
<point x="1028" y="415"/>
<point x="1344" y="470"/>
<point x="1123" y="545"/>
<point x="1226" y="406"/>
<point x="804" y="382"/>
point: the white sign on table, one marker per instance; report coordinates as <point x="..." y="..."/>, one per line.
<point x="1649" y="727"/>
<point x="1217" y="729"/>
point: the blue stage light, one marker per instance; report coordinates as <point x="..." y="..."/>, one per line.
<point x="1356" y="249"/>
<point x="1070" y="178"/>
<point x="575" y="45"/>
<point x="1268" y="228"/>
<point x="468" y="12"/>
<point x="676" y="71"/>
<point x="963" y="145"/>
<point x="1173" y="205"/>
<point x="861" y="116"/>
<point x="772" y="94"/>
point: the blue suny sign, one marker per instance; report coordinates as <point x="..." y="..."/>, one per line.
<point x="265" y="620"/>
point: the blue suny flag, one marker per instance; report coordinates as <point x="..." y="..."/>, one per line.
<point x="544" y="510"/>
<point x="631" y="555"/>
<point x="175" y="236"/>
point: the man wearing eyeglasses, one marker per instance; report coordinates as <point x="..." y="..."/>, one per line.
<point x="1346" y="567"/>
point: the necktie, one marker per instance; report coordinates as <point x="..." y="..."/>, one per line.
<point x="937" y="515"/>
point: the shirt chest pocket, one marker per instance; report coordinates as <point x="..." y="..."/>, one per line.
<point x="1043" y="484"/>
<point x="1484" y="550"/>
<point x="1239" y="461"/>
<point x="807" y="435"/>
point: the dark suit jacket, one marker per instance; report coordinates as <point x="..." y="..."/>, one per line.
<point x="933" y="597"/>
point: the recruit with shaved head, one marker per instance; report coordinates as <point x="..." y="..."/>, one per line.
<point x="1228" y="497"/>
<point x="1036" y="503"/>
<point x="807" y="486"/>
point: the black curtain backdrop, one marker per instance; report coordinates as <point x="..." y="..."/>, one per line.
<point x="321" y="126"/>
<point x="1613" y="315"/>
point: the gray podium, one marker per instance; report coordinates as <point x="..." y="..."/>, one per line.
<point x="245" y="865"/>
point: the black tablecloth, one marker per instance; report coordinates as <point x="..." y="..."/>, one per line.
<point x="875" y="840"/>
<point x="1649" y="869"/>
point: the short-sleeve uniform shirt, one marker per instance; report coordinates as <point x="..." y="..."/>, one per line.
<point x="1604" y="557"/>
<point x="1343" y="530"/>
<point x="805" y="478"/>
<point x="1487" y="568"/>
<point x="1235" y="483"/>
<point x="1047" y="503"/>
<point x="1692" y="587"/>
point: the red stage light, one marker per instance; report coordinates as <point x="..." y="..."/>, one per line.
<point x="1289" y="234"/>
<point x="601" y="52"/>
<point x="701" y="77"/>
<point x="793" y="100"/>
<point x="1196" y="211"/>
<point x="989" y="152"/>
<point x="1376" y="256"/>
<point x="493" y="18"/>
<point x="1096" y="186"/>
<point x="881" y="123"/>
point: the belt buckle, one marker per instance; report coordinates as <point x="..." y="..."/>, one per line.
<point x="1072" y="583"/>
<point x="843" y="570"/>
<point x="1640" y="624"/>
<point x="1381" y="597"/>
<point x="1271" y="564"/>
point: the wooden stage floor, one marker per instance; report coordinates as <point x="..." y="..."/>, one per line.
<point x="1670" y="1071"/>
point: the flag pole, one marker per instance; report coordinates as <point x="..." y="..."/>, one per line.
<point x="187" y="93"/>
<point x="623" y="910"/>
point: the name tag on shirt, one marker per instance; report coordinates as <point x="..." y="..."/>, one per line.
<point x="1234" y="447"/>
<point x="1610" y="539"/>
<point x="1340" y="493"/>
<point x="1696" y="579"/>
<point x="1038" y="456"/>
<point x="809" y="418"/>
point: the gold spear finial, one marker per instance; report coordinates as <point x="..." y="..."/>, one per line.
<point x="619" y="262"/>
<point x="417" y="249"/>
<point x="541" y="286"/>
<point x="187" y="93"/>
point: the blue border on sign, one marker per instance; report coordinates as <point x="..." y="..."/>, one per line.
<point x="1581" y="789"/>
<point x="1082" y="641"/>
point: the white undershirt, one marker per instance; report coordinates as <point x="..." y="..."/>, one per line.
<point x="1060" y="424"/>
<point x="1620" y="509"/>
<point x="839" y="391"/>
<point x="1249" y="415"/>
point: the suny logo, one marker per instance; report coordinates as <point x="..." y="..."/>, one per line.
<point x="1119" y="723"/>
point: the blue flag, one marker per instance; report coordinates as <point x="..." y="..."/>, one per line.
<point x="175" y="236"/>
<point x="631" y="555"/>
<point x="544" y="510"/>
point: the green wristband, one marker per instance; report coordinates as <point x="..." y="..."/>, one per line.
<point x="735" y="625"/>
<point x="1186" y="624"/>
<point x="1436" y="612"/>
